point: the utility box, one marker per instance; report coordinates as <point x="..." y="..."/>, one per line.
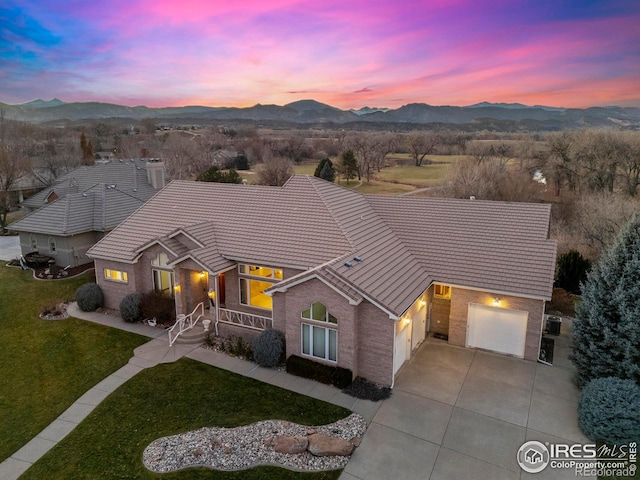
<point x="553" y="325"/>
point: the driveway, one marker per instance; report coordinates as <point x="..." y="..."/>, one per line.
<point x="9" y="247"/>
<point x="462" y="413"/>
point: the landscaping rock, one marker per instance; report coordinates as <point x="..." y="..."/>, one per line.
<point x="324" y="445"/>
<point x="291" y="445"/>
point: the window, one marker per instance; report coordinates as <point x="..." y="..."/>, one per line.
<point x="161" y="260"/>
<point x="442" y="291"/>
<point x="254" y="280"/>
<point x="260" y="271"/>
<point x="34" y="242"/>
<point x="318" y="312"/>
<point x="163" y="281"/>
<point x="319" y="341"/>
<point x="115" y="275"/>
<point x="163" y="276"/>
<point x="52" y="246"/>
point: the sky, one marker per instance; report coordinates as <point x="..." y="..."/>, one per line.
<point x="346" y="53"/>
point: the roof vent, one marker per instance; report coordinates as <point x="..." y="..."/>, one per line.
<point x="348" y="264"/>
<point x="472" y="197"/>
<point x="84" y="194"/>
<point x="357" y="259"/>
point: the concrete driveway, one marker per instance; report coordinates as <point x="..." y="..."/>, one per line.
<point x="9" y="247"/>
<point x="462" y="413"/>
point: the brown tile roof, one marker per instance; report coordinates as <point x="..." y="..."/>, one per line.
<point x="401" y="244"/>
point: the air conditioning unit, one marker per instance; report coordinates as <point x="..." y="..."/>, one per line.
<point x="553" y="325"/>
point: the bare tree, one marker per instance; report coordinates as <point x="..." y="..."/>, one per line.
<point x="14" y="165"/>
<point x="629" y="162"/>
<point x="421" y="144"/>
<point x="275" y="170"/>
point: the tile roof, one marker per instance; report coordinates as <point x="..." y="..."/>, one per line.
<point x="401" y="244"/>
<point x="129" y="176"/>
<point x="98" y="209"/>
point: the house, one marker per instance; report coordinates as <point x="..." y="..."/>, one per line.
<point x="352" y="280"/>
<point x="75" y="212"/>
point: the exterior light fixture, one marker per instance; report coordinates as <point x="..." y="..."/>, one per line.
<point x="496" y="301"/>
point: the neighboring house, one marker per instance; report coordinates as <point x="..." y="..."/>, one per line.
<point x="70" y="216"/>
<point x="352" y="280"/>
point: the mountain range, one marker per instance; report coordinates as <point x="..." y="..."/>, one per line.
<point x="311" y="112"/>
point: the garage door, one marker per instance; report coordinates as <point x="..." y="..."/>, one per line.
<point x="402" y="348"/>
<point x="498" y="329"/>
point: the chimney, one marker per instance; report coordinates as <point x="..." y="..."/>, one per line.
<point x="155" y="173"/>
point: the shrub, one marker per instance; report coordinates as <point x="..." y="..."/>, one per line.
<point x="268" y="348"/>
<point x="366" y="390"/>
<point x="160" y="306"/>
<point x="303" y="367"/>
<point x="131" y="308"/>
<point x="237" y="347"/>
<point x="571" y="271"/>
<point x="89" y="297"/>
<point x="609" y="410"/>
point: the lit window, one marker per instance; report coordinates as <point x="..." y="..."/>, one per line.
<point x="319" y="342"/>
<point x="52" y="246"/>
<point x="260" y="271"/>
<point x="115" y="275"/>
<point x="318" y="312"/>
<point x="163" y="281"/>
<point x="442" y="291"/>
<point x="254" y="280"/>
<point x="252" y="293"/>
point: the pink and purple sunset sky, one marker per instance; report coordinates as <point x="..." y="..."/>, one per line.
<point x="347" y="53"/>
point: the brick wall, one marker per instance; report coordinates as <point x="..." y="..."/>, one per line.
<point x="375" y="334"/>
<point x="300" y="297"/>
<point x="113" y="291"/>
<point x="460" y="299"/>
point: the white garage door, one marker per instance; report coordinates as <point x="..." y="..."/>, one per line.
<point x="402" y="348"/>
<point x="498" y="329"/>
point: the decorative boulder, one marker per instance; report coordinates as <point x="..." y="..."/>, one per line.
<point x="324" y="446"/>
<point x="291" y="445"/>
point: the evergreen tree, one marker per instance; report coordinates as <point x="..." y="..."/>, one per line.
<point x="325" y="170"/>
<point x="349" y="165"/>
<point x="571" y="271"/>
<point x="213" y="174"/>
<point x="606" y="334"/>
<point x="328" y="173"/>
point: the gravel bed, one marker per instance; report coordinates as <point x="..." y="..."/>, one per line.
<point x="248" y="446"/>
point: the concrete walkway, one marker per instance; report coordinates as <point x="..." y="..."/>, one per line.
<point x="149" y="355"/>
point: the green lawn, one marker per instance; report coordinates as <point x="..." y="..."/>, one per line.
<point x="47" y="365"/>
<point x="170" y="399"/>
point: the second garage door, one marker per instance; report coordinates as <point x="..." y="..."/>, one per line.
<point x="498" y="329"/>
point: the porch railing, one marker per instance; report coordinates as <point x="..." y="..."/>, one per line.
<point x="242" y="319"/>
<point x="185" y="322"/>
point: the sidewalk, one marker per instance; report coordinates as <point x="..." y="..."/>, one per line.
<point x="149" y="355"/>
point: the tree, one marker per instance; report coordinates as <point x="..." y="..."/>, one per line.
<point x="325" y="170"/>
<point x="571" y="271"/>
<point x="13" y="166"/>
<point x="214" y="174"/>
<point x="87" y="150"/>
<point x="275" y="170"/>
<point x="422" y="144"/>
<point x="348" y="165"/>
<point x="606" y="333"/>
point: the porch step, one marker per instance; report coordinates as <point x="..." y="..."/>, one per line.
<point x="194" y="336"/>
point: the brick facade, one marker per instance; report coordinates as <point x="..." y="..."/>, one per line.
<point x="460" y="300"/>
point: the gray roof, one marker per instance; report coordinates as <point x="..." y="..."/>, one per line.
<point x="99" y="209"/>
<point x="129" y="176"/>
<point x="401" y="244"/>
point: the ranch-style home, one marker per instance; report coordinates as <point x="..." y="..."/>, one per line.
<point x="352" y="280"/>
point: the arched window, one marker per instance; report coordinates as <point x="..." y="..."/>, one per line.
<point x="317" y="340"/>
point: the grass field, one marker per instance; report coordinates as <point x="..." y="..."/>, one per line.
<point x="47" y="365"/>
<point x="170" y="399"/>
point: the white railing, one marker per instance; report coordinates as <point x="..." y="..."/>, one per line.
<point x="242" y="319"/>
<point x="185" y="322"/>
